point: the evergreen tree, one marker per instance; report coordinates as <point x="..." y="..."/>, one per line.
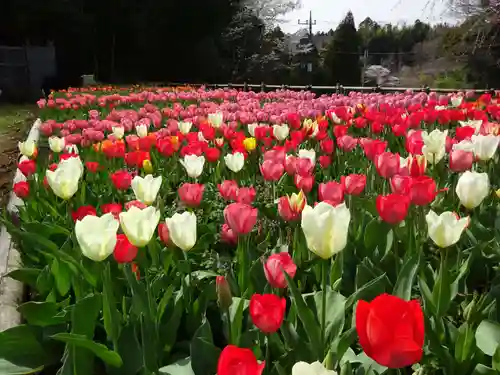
<point x="342" y="57"/>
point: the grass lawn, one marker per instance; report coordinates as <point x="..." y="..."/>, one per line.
<point x="15" y="118"/>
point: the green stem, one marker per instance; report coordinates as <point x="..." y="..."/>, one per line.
<point x="268" y="353"/>
<point x="324" y="273"/>
<point x="229" y="329"/>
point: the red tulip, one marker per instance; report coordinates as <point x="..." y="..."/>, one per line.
<point x="422" y="190"/>
<point x="400" y="184"/>
<point x="327" y="146"/>
<point x="275" y="266"/>
<point x="228" y="190"/>
<point x="21" y="189"/>
<point x="212" y="154"/>
<point x="373" y="147"/>
<point x="224" y="295"/>
<point x="387" y="164"/>
<point x="27" y="167"/>
<point x="114" y="208"/>
<point x="393" y="208"/>
<point x="304" y="183"/>
<point x="417" y="165"/>
<point x="163" y="233"/>
<point x="290" y="162"/>
<point x="191" y="194"/>
<point x="267" y="311"/>
<point x="290" y="207"/>
<point x="83" y="211"/>
<point x="240" y="217"/>
<point x="271" y="171"/>
<point x="460" y="160"/>
<point x="325" y="161"/>
<point x="391" y="330"/>
<point x="124" y="251"/>
<point x="121" y="180"/>
<point x="228" y="235"/>
<point x="245" y="195"/>
<point x="135" y="203"/>
<point x="414" y="142"/>
<point x="92" y="166"/>
<point x="464" y="132"/>
<point x="238" y="361"/>
<point x="304" y="166"/>
<point x="331" y="191"/>
<point x="347" y="143"/>
<point x="354" y="184"/>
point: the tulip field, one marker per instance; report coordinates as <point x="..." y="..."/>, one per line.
<point x="221" y="232"/>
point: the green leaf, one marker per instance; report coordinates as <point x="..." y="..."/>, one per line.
<point x="236" y="318"/>
<point x="496" y="359"/>
<point x="441" y="293"/>
<point x="369" y="364"/>
<point x="181" y="367"/>
<point x="335" y="312"/>
<point x="20" y="345"/>
<point x="130" y="351"/>
<point x="426" y="294"/>
<point x="168" y="330"/>
<point x="41" y="313"/>
<point x="204" y="354"/>
<point x="373" y="237"/>
<point x="368" y="291"/>
<point x="77" y="360"/>
<point x="406" y="278"/>
<point x="62" y="276"/>
<point x="306" y="316"/>
<point x="484" y="370"/>
<point x="108" y="356"/>
<point x="112" y="318"/>
<point x="465" y="343"/>
<point x="27" y="276"/>
<point x="488" y="337"/>
<point x="7" y="368"/>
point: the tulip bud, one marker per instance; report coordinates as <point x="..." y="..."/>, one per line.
<point x="224" y="296"/>
<point x="147" y="166"/>
<point x="469" y="309"/>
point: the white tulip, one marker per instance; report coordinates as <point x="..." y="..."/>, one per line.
<point x="118" y="131"/>
<point x="465" y="145"/>
<point x="456" y="101"/>
<point x="185" y="127"/>
<point x="335" y="118"/>
<point x="201" y="137"/>
<point x="309" y="154"/>
<point x="281" y="132"/>
<point x="485" y="146"/>
<point x="65" y="179"/>
<point x="146" y="189"/>
<point x="472" y="188"/>
<point x="476" y="124"/>
<point x="139" y="225"/>
<point x="56" y="144"/>
<point x="434" y="147"/>
<point x="193" y="165"/>
<point x="182" y="230"/>
<point x="325" y="228"/>
<point x="141" y="130"/>
<point x="311" y="126"/>
<point x="445" y="230"/>
<point x="235" y="162"/>
<point x="251" y="128"/>
<point x="72" y="149"/>
<point x="440" y="107"/>
<point x="27" y="148"/>
<point x="97" y="236"/>
<point x="215" y="119"/>
<point x="315" y="368"/>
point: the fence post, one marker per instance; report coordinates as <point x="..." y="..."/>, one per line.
<point x="427" y="90"/>
<point x="245" y="86"/>
<point x="229" y="85"/>
<point x="215" y="86"/>
<point x="342" y="91"/>
<point x="282" y="86"/>
<point x="337" y="88"/>
<point x="262" y="87"/>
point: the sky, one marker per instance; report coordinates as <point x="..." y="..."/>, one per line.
<point x="328" y="13"/>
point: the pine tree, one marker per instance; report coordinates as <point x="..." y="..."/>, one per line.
<point x="342" y="57"/>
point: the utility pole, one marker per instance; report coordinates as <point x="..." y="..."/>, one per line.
<point x="310" y="23"/>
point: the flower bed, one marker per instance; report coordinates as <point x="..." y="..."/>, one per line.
<point x="222" y="232"/>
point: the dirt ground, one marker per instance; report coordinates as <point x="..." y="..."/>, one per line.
<point x="15" y="122"/>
